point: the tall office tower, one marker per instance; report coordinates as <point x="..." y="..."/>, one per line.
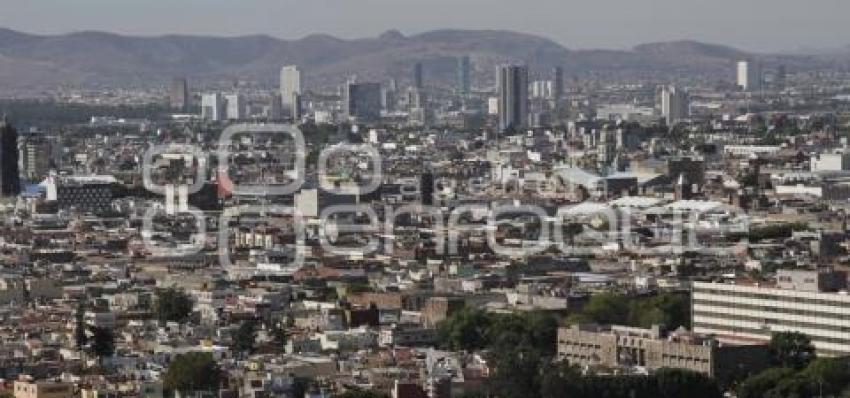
<point x="290" y="83"/>
<point x="781" y="74"/>
<point x="513" y="97"/>
<point x="415" y="98"/>
<point x="749" y="75"/>
<point x="275" y="112"/>
<point x="35" y="153"/>
<point x="363" y="101"/>
<point x="558" y="82"/>
<point x="10" y="177"/>
<point x="179" y="95"/>
<point x="464" y="78"/>
<point x="234" y="107"/>
<point x="212" y="107"/>
<point x="295" y="111"/>
<point x="418" y="75"/>
<point x="675" y="104"/>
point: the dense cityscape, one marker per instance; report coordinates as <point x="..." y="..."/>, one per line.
<point x="459" y="226"/>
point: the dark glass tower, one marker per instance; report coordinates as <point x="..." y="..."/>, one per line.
<point x="10" y="178"/>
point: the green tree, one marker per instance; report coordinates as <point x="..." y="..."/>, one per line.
<point x="791" y="350"/>
<point x="796" y="386"/>
<point x="467" y="329"/>
<point x="675" y="383"/>
<point x="192" y="372"/>
<point x="516" y="371"/>
<point x="605" y="308"/>
<point x="668" y="310"/>
<point x="831" y="375"/>
<point x="245" y="336"/>
<point x="172" y="306"/>
<point x="102" y="342"/>
<point x="757" y="386"/>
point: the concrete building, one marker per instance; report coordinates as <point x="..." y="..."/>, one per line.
<point x="36" y="151"/>
<point x="830" y="162"/>
<point x="88" y="194"/>
<point x="290" y="84"/>
<point x="675" y="105"/>
<point x="809" y="302"/>
<point x="464" y="75"/>
<point x="179" y="95"/>
<point x="212" y="107"/>
<point x="620" y="346"/>
<point x="275" y="111"/>
<point x="234" y="107"/>
<point x="513" y="97"/>
<point x="749" y="75"/>
<point x="363" y="101"/>
<point x="43" y="389"/>
<point x="558" y="79"/>
<point x="418" y="76"/>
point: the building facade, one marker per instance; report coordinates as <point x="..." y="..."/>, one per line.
<point x="620" y="346"/>
<point x="513" y="97"/>
<point x="804" y="302"/>
<point x="290" y="84"/>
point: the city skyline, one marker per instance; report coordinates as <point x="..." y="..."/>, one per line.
<point x="786" y="26"/>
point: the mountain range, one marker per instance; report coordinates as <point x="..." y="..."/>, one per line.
<point x="31" y="62"/>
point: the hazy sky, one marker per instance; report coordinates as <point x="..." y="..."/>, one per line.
<point x="750" y="24"/>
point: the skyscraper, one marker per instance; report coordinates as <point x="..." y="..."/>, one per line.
<point x="36" y="154"/>
<point x="212" y="107"/>
<point x="10" y="178"/>
<point x="749" y="75"/>
<point x="179" y="95"/>
<point x="363" y="101"/>
<point x="275" y="112"/>
<point x="675" y="104"/>
<point x="418" y="75"/>
<point x="235" y="107"/>
<point x="290" y="84"/>
<point x="464" y="80"/>
<point x="558" y="79"/>
<point x="513" y="97"/>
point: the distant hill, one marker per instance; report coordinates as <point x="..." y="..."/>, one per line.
<point x="97" y="59"/>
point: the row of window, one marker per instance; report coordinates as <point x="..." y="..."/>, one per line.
<point x="824" y="298"/>
<point x="701" y="324"/>
<point x="810" y="312"/>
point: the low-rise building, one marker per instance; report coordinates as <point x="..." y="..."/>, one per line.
<point x="620" y="346"/>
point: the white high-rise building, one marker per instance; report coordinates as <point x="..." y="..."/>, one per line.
<point x="749" y="75"/>
<point x="810" y="302"/>
<point x="290" y="85"/>
<point x="675" y="104"/>
<point x="235" y="107"/>
<point x="212" y="107"/>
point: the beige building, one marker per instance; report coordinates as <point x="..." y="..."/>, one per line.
<point x="43" y="389"/>
<point x="626" y="347"/>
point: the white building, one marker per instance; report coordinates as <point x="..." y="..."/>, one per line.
<point x="749" y="75"/>
<point x="675" y="105"/>
<point x="801" y="302"/>
<point x="235" y="107"/>
<point x="212" y="107"/>
<point x="831" y="162"/>
<point x="290" y="85"/>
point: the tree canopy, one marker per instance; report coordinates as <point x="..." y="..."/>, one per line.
<point x="191" y="372"/>
<point x="791" y="350"/>
<point x="172" y="305"/>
